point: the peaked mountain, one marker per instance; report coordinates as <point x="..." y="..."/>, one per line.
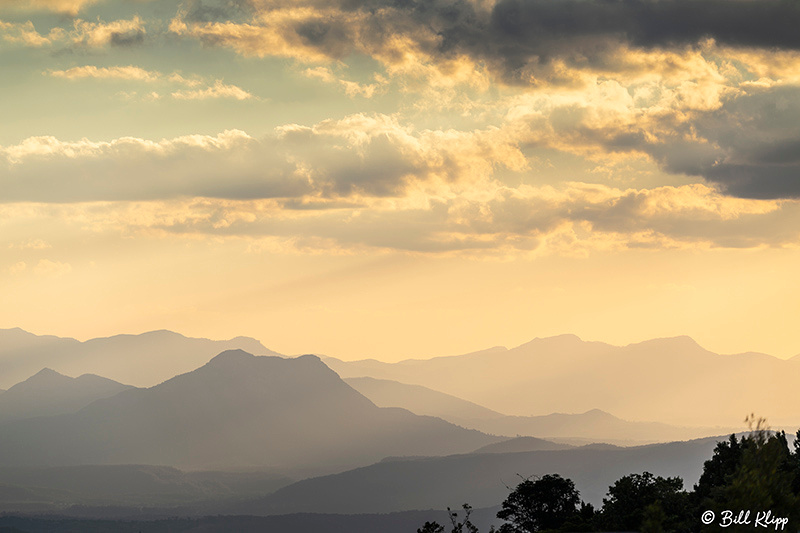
<point x="49" y="393"/>
<point x="141" y="360"/>
<point x="667" y="380"/>
<point x="236" y="411"/>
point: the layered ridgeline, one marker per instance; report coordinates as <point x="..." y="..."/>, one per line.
<point x="482" y="479"/>
<point x="578" y="428"/>
<point x="665" y="380"/>
<point x="141" y="360"/>
<point x="237" y="411"/>
<point x="50" y="393"/>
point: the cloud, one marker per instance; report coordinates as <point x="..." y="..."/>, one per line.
<point x="696" y="118"/>
<point x="121" y="73"/>
<point x="360" y="155"/>
<point x="757" y="144"/>
<point x="118" y="32"/>
<point x="46" y="267"/>
<point x="82" y="34"/>
<point x="749" y="145"/>
<point x="218" y="90"/>
<point x="743" y="138"/>
<point x="574" y="219"/>
<point x="351" y="88"/>
<point x="227" y="165"/>
<point x="297" y="32"/>
<point x="25" y="34"/>
<point x="522" y="42"/>
<point x="68" y="7"/>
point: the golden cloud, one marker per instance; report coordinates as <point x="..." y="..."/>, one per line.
<point x="575" y="219"/>
<point x="83" y="33"/>
<point x="121" y="73"/>
<point x="218" y="90"/>
<point x="68" y="7"/>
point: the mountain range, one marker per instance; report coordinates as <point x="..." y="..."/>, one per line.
<point x="235" y="432"/>
<point x="141" y="360"/>
<point x="579" y="428"/>
<point x="482" y="479"/>
<point x="50" y="393"/>
<point x="236" y="411"/>
<point x="671" y="380"/>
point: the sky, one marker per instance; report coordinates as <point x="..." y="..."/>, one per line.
<point x="402" y="178"/>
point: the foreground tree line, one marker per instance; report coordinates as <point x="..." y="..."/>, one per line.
<point x="749" y="484"/>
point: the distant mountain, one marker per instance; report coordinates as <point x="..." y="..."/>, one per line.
<point x="420" y="400"/>
<point x="482" y="479"/>
<point x="666" y="380"/>
<point x="592" y="426"/>
<point x="237" y="411"/>
<point x="50" y="393"/>
<point x="141" y="360"/>
<point x="523" y="444"/>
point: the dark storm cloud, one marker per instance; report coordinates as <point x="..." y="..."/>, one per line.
<point x="760" y="23"/>
<point x="516" y="34"/>
<point x="753" y="148"/>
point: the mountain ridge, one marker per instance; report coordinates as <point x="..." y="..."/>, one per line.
<point x="143" y="360"/>
<point x="48" y="393"/>
<point x="480" y="478"/>
<point x="236" y="411"/>
<point x="669" y="380"/>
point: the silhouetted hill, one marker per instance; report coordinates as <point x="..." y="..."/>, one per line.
<point x="592" y="426"/>
<point x="237" y="411"/>
<point x="523" y="444"/>
<point x="49" y="393"/>
<point x="666" y="380"/>
<point x="481" y="479"/>
<point x="141" y="360"/>
<point x="53" y="489"/>
<point x="419" y="400"/>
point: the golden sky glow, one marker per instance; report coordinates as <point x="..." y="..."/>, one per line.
<point x="392" y="180"/>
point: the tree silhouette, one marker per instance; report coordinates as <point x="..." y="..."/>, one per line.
<point x="638" y="498"/>
<point x="463" y="526"/>
<point x="757" y="472"/>
<point x="765" y="478"/>
<point x="431" y="527"/>
<point x="718" y="471"/>
<point x="545" y="503"/>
